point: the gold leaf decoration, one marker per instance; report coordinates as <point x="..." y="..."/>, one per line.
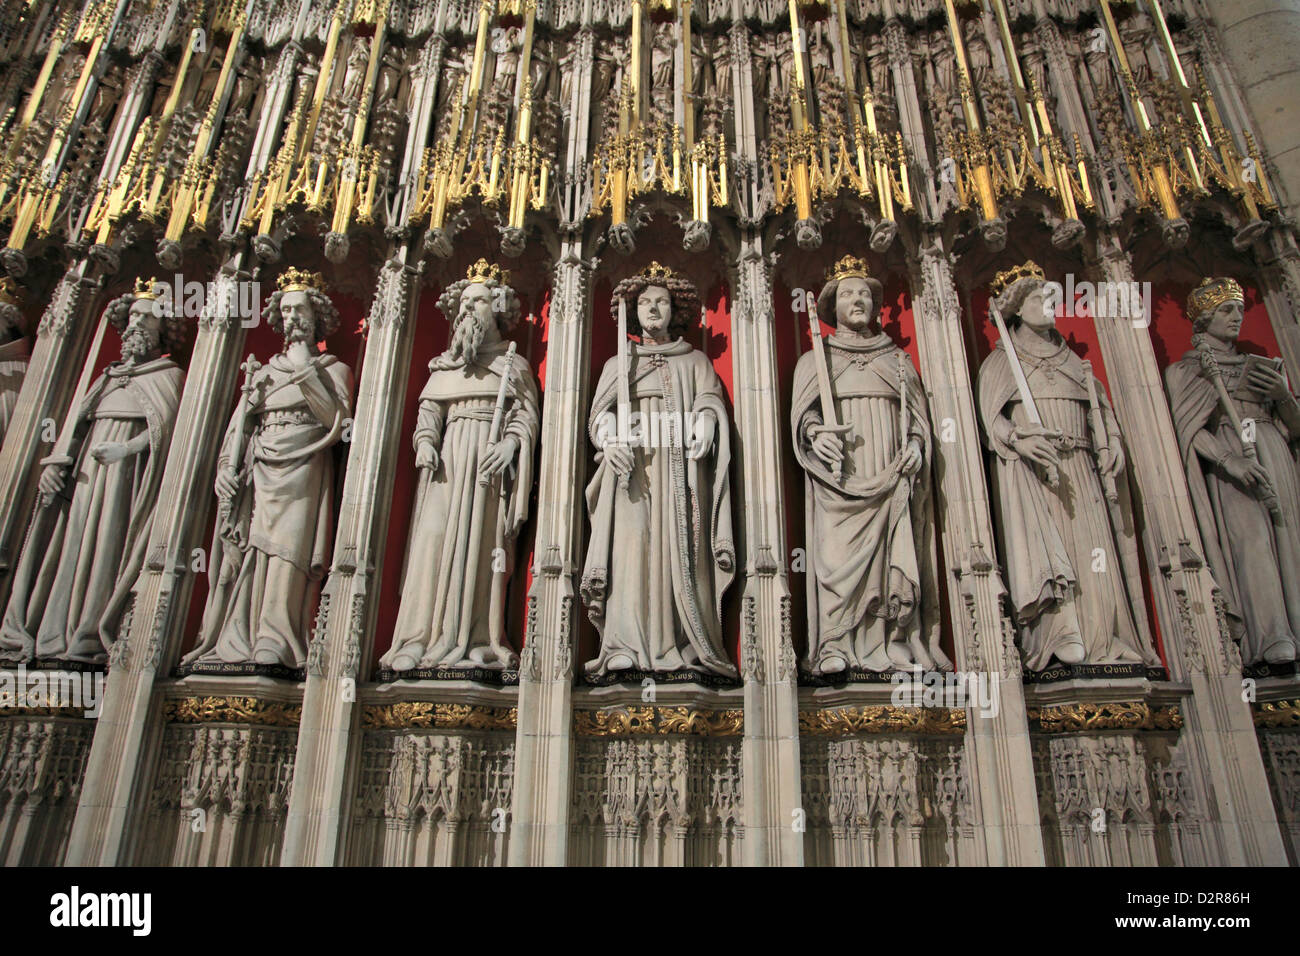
<point x="232" y="710"/>
<point x="882" y="718"/>
<point x="643" y="721"/>
<point x="423" y="713"/>
<point x="1116" y="715"/>
<point x="1278" y="713"/>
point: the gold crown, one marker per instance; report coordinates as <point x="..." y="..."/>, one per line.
<point x="147" y="288"/>
<point x="848" y="268"/>
<point x="1004" y="280"/>
<point x="1211" y="294"/>
<point x="657" y="273"/>
<point x="482" y="271"/>
<point x="297" y="280"/>
<point x="11" y="293"/>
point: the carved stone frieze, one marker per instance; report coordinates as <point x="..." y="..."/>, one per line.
<point x="651" y="720"/>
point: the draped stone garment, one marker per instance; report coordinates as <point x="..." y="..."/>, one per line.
<point x="1255" y="560"/>
<point x="454" y="594"/>
<point x="14" y="357"/>
<point x="872" y="590"/>
<point x="1071" y="556"/>
<point x="273" y="548"/>
<point x="661" y="552"/>
<point x="88" y="546"/>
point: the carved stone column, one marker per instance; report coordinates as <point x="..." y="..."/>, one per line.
<point x="64" y="335"/>
<point x="544" y="742"/>
<point x="771" y="785"/>
<point x="541" y="797"/>
<point x="105" y="830"/>
<point x="1224" y="754"/>
<point x="338" y="655"/>
<point x="999" y="754"/>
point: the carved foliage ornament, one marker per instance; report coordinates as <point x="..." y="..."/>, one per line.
<point x="231" y="710"/>
<point x="881" y="718"/>
<point x="442" y="716"/>
<point x="1125" y="715"/>
<point x="641" y="721"/>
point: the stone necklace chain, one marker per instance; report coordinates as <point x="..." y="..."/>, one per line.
<point x="1048" y="364"/>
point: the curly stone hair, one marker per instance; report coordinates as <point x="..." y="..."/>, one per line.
<point x="826" y="300"/>
<point x="326" y="312"/>
<point x="174" y="333"/>
<point x="685" y="299"/>
<point x="449" y="303"/>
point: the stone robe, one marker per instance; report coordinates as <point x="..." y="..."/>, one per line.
<point x="1256" y="561"/>
<point x="87" y="547"/>
<point x="1050" y="536"/>
<point x="661" y="552"/>
<point x="870" y="566"/>
<point x="453" y="606"/>
<point x="272" y="548"/>
<point x="14" y="357"/>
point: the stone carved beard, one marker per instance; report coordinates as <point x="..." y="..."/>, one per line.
<point x="299" y="329"/>
<point x="139" y="344"/>
<point x="469" y="335"/>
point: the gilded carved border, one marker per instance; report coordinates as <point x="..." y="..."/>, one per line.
<point x="646" y="721"/>
<point x="1277" y="713"/>
<point x="882" y="719"/>
<point x="426" y="714"/>
<point x="231" y="710"/>
<point x="1116" y="715"/>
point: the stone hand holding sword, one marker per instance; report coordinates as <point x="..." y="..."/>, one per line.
<point x="828" y="438"/>
<point x="1036" y="441"/>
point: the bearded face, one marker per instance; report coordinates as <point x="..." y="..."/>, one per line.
<point x="141" y="340"/>
<point x="298" y="316"/>
<point x="473" y="322"/>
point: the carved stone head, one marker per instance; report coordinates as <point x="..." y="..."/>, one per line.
<point x="1217" y="307"/>
<point x="147" y="323"/>
<point x="850" y="298"/>
<point x="481" y="307"/>
<point x="299" y="310"/>
<point x="1021" y="295"/>
<point x="659" y="296"/>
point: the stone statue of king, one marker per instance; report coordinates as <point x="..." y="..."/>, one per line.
<point x="98" y="490"/>
<point x="872" y="590"/>
<point x="275" y="483"/>
<point x="474" y="441"/>
<point x="661" y="552"/>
